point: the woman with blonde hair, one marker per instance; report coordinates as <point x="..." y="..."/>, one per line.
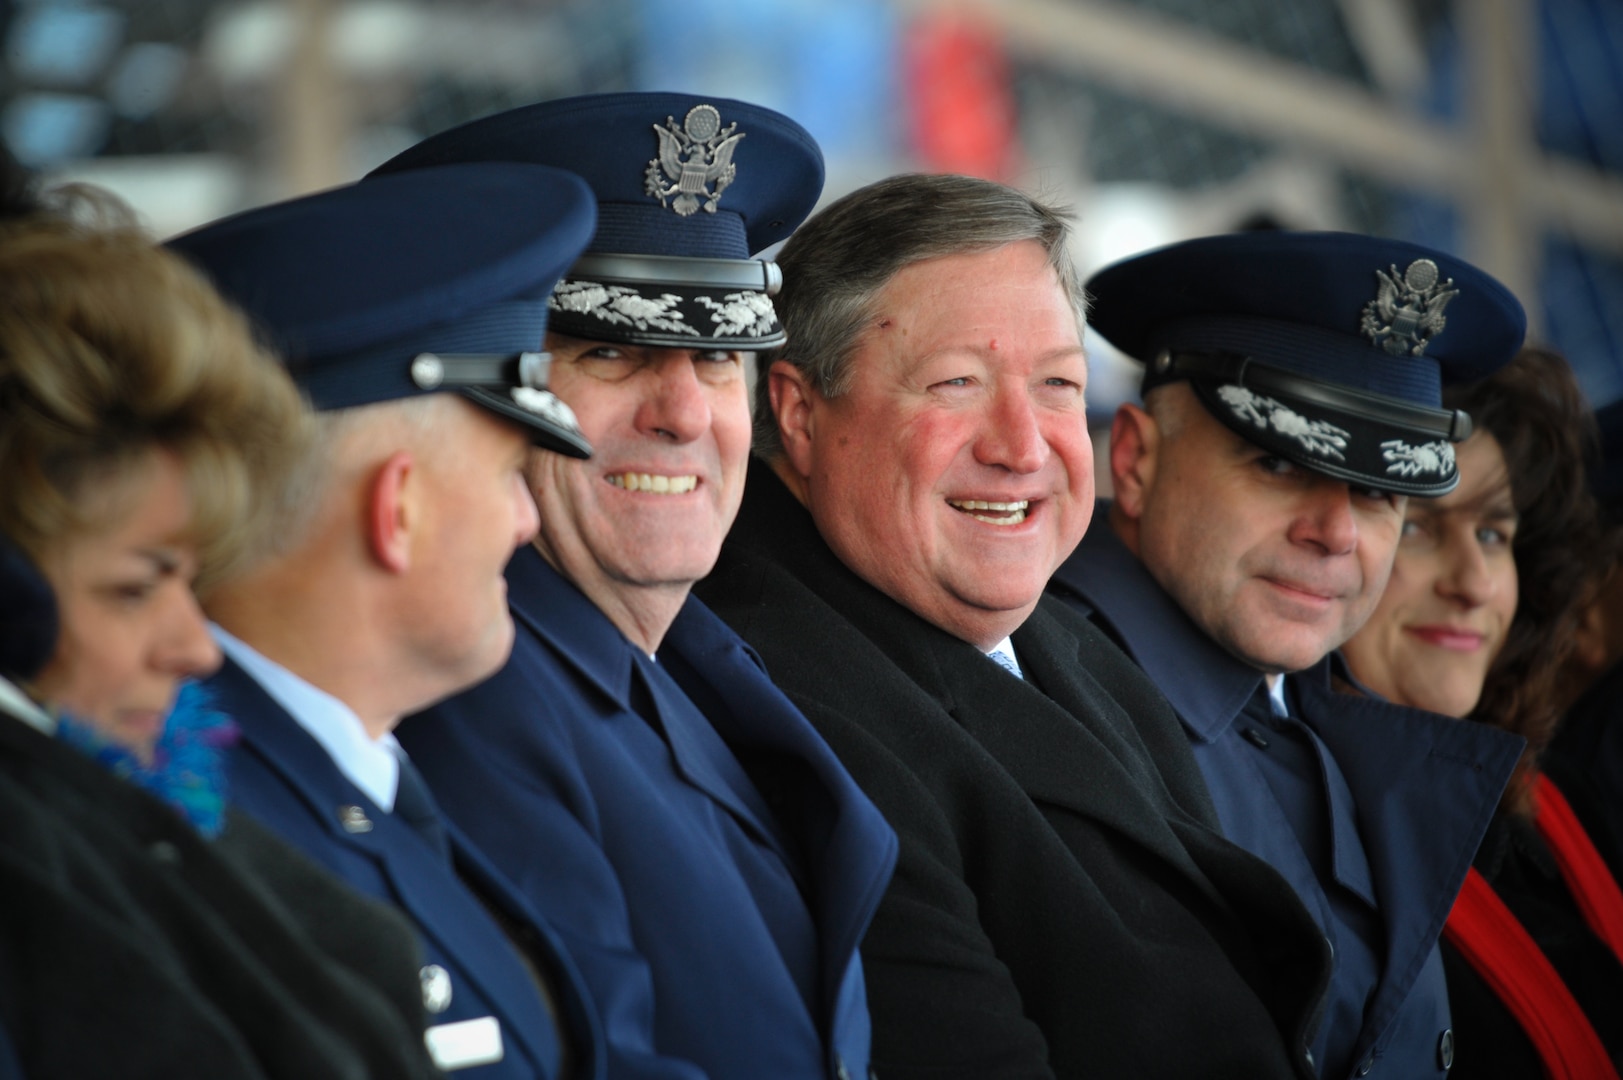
<point x="142" y="432"/>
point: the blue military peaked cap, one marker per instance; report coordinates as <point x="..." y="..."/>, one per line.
<point x="1328" y="349"/>
<point x="433" y="281"/>
<point x="687" y="186"/>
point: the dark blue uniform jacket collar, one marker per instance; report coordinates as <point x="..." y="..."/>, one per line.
<point x="851" y="848"/>
<point x="1207" y="685"/>
<point x="545" y="601"/>
<point x="1425" y="785"/>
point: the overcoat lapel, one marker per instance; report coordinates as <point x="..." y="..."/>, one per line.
<point x="1064" y="757"/>
<point x="1049" y="744"/>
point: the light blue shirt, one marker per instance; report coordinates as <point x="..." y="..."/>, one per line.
<point x="1276" y="696"/>
<point x="1002" y="654"/>
<point x="370" y="764"/>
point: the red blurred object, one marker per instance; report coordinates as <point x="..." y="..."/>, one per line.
<point x="961" y="115"/>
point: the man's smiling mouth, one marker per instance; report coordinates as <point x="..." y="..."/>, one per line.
<point x="657" y="483"/>
<point x="993" y="513"/>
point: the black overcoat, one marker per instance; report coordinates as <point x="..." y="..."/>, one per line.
<point x="1063" y="904"/>
<point x="132" y="947"/>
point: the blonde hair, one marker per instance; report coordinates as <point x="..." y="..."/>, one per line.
<point x="112" y="348"/>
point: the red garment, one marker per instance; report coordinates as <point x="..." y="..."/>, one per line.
<point x="1591" y="884"/>
<point x="1500" y="949"/>
<point x="961" y="111"/>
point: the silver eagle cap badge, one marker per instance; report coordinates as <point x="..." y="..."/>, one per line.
<point x="1407" y="311"/>
<point x="692" y="158"/>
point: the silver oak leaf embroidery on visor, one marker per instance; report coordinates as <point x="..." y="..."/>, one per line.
<point x="619" y="305"/>
<point x="1405" y="460"/>
<point x="1315" y="436"/>
<point x="546" y="404"/>
<point x="747" y="313"/>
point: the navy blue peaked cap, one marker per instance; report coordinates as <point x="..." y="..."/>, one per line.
<point x="433" y="281"/>
<point x="688" y="186"/>
<point x="1329" y="349"/>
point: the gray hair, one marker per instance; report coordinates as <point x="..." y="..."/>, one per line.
<point x="836" y="264"/>
<point x="343" y="438"/>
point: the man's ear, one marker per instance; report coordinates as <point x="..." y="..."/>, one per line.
<point x="1135" y="441"/>
<point x="391" y="512"/>
<point x="791" y="396"/>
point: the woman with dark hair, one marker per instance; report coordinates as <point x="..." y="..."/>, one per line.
<point x="141" y="430"/>
<point x="1474" y="623"/>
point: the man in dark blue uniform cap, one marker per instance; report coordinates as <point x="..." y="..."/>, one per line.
<point x="1291" y="405"/>
<point x="409" y="311"/>
<point x="632" y="769"/>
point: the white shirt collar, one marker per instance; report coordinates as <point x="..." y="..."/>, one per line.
<point x="370" y="764"/>
<point x="1006" y="649"/>
<point x="1276" y="695"/>
<point x="13" y="702"/>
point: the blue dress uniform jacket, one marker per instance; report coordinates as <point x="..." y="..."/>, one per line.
<point x="719" y="873"/>
<point x="1374" y="823"/>
<point x="283" y="777"/>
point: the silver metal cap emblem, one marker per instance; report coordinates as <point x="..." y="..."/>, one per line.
<point x="436" y="983"/>
<point x="533" y="369"/>
<point x="427" y="371"/>
<point x="1407" y="311"/>
<point x="692" y="158"/>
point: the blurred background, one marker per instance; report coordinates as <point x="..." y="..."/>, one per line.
<point x="1491" y="128"/>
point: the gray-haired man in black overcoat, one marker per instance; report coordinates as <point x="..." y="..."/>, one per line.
<point x="1064" y="905"/>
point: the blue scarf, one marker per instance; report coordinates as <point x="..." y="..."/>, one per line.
<point x="187" y="770"/>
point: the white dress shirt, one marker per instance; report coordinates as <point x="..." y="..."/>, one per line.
<point x="370" y="764"/>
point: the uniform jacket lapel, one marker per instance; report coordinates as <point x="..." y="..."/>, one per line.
<point x="833" y="825"/>
<point x="602" y="656"/>
<point x="1443" y="787"/>
<point x="434" y="898"/>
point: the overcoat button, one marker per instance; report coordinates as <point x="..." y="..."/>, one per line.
<point x="1366" y="1065"/>
<point x="1445" y="1049"/>
<point x="354" y="819"/>
<point x="165" y="852"/>
<point x="436" y="982"/>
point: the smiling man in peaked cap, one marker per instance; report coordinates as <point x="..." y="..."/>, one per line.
<point x="409" y="312"/>
<point x="633" y="763"/>
<point x="1292" y="395"/>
